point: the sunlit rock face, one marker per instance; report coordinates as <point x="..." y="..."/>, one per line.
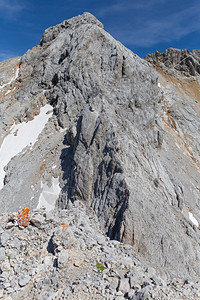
<point x="119" y="134"/>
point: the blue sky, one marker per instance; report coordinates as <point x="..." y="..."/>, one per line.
<point x="144" y="26"/>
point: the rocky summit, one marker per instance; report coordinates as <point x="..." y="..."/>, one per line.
<point x="99" y="169"/>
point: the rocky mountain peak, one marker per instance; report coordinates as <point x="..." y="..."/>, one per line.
<point x="91" y="122"/>
<point x="84" y="19"/>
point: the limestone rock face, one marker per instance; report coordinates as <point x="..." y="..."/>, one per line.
<point x="113" y="133"/>
<point x="180" y="59"/>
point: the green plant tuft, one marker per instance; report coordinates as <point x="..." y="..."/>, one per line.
<point x="100" y="267"/>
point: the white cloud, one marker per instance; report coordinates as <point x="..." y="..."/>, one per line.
<point x="127" y="5"/>
<point x="146" y="30"/>
<point x="9" y="8"/>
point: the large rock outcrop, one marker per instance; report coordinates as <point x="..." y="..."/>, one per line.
<point x="188" y="63"/>
<point x="121" y="138"/>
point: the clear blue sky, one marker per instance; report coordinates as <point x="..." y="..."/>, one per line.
<point x="144" y="26"/>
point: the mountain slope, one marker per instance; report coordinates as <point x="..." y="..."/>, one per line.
<point x="120" y="137"/>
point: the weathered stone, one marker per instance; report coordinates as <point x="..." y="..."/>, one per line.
<point x="15" y="243"/>
<point x="63" y="258"/>
<point x="124" y="285"/>
<point x="2" y="254"/>
<point x="4" y="238"/>
<point x="119" y="273"/>
<point x="10" y="225"/>
<point x="38" y="220"/>
<point x="24" y="280"/>
<point x="63" y="236"/>
<point x="114" y="283"/>
<point x="119" y="298"/>
<point x="48" y="262"/>
<point x="131" y="293"/>
<point x="119" y="293"/>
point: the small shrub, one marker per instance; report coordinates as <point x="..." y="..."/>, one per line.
<point x="100" y="267"/>
<point x="90" y="247"/>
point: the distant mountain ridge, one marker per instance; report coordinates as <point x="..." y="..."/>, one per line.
<point x="188" y="63"/>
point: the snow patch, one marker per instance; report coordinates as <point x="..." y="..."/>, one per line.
<point x="9" y="91"/>
<point x="21" y="136"/>
<point x="16" y="74"/>
<point x="192" y="218"/>
<point x="63" y="129"/>
<point x="159" y="84"/>
<point x="49" y="195"/>
<point x="32" y="187"/>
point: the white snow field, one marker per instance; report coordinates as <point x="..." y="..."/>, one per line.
<point x="49" y="195"/>
<point x="21" y="136"/>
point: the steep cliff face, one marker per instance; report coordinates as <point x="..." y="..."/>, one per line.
<point x="181" y="96"/>
<point x="109" y="130"/>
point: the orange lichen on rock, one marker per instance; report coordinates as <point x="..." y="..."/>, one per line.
<point x="64" y="226"/>
<point x="24" y="216"/>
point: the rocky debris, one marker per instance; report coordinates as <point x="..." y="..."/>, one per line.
<point x="36" y="265"/>
<point x="23" y="280"/>
<point x="37" y="220"/>
<point x="63" y="258"/>
<point x="121" y="138"/>
<point x="188" y="63"/>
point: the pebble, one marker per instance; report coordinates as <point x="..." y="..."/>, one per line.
<point x="2" y="254"/>
<point x="131" y="293"/>
<point x="48" y="262"/>
<point x="23" y="280"/>
<point x="63" y="258"/>
<point x="124" y="285"/>
<point x="4" y="238"/>
<point x="37" y="220"/>
<point x="10" y="225"/>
